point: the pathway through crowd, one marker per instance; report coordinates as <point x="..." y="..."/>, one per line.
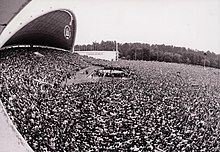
<point x="83" y="76"/>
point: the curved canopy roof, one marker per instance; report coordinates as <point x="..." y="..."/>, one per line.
<point x="54" y="29"/>
<point x="23" y="22"/>
<point x="8" y="9"/>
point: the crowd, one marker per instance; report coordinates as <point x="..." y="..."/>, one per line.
<point x="164" y="107"/>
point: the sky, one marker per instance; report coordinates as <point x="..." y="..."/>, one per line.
<point x="192" y="24"/>
<point x="188" y="23"/>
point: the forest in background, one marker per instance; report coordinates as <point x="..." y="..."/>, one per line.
<point x="156" y="52"/>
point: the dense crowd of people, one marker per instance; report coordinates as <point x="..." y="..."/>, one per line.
<point x="163" y="107"/>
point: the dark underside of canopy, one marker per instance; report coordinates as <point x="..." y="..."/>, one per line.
<point x="47" y="30"/>
<point x="9" y="9"/>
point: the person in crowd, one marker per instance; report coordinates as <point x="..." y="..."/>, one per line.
<point x="158" y="109"/>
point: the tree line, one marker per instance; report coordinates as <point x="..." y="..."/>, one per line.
<point x="156" y="52"/>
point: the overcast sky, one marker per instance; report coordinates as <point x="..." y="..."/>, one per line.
<point x="190" y="23"/>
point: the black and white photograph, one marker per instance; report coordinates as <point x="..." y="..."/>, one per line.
<point x="109" y="75"/>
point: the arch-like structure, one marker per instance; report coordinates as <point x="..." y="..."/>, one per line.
<point x="26" y="22"/>
<point x="54" y="29"/>
<point x="46" y="26"/>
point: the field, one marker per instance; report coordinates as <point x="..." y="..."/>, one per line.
<point x="164" y="107"/>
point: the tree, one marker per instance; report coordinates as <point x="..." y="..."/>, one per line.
<point x="214" y="63"/>
<point x="168" y="57"/>
<point x="205" y="62"/>
<point x="155" y="52"/>
<point x="146" y="54"/>
<point x="177" y="58"/>
<point x="153" y="55"/>
<point x="188" y="61"/>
